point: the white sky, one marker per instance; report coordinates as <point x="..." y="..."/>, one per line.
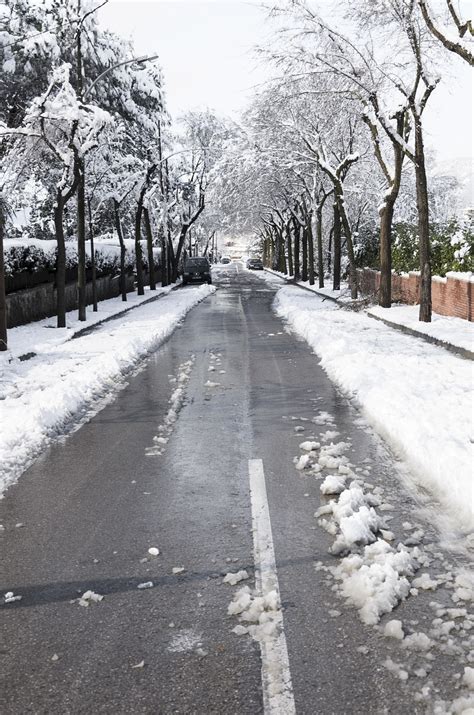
<point x="205" y="49"/>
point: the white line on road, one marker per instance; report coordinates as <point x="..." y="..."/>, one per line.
<point x="276" y="677"/>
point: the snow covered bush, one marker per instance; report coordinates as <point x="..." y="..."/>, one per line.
<point x="452" y="246"/>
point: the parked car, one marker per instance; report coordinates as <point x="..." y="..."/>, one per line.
<point x="225" y="259"/>
<point x="196" y="270"/>
<point x="255" y="264"/>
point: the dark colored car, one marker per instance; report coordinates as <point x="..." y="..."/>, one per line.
<point x="255" y="264"/>
<point x="196" y="270"/>
<point x="225" y="260"/>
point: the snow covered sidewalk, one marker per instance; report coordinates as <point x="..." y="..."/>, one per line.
<point x="449" y="332"/>
<point x="41" y="335"/>
<point x="416" y="395"/>
<point x="39" y="396"/>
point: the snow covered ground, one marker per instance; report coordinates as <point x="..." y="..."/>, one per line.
<point x="39" y="396"/>
<point x="416" y="395"/>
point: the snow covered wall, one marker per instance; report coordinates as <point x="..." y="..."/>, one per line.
<point x="416" y="395"/>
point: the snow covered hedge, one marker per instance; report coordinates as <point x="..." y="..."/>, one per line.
<point x="37" y="255"/>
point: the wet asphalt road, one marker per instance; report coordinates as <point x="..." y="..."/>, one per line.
<point x="95" y="502"/>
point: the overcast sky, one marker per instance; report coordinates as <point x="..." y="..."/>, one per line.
<point x="205" y="49"/>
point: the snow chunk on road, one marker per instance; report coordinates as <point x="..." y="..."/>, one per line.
<point x="89" y="597"/>
<point x="394" y="629"/>
<point x="10" y="597"/>
<point x="309" y="446"/>
<point x="303" y="462"/>
<point x="425" y="582"/>
<point x="333" y="485"/>
<point x="153" y="551"/>
<point x="468" y="677"/>
<point x="234" y="578"/>
<point x="418" y="641"/>
<point x="376" y="580"/>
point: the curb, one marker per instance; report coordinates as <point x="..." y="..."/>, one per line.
<point x="458" y="351"/>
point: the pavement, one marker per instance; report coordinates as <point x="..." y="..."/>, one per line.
<point x="85" y="514"/>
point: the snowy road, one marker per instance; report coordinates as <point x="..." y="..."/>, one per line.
<point x="217" y="455"/>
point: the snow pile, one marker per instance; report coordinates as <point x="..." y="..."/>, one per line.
<point x="40" y="396"/>
<point x="394" y="377"/>
<point x="354" y="516"/>
<point x="176" y="402"/>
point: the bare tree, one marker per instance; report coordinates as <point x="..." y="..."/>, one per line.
<point x="463" y="28"/>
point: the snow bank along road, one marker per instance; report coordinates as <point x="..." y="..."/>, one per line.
<point x="130" y="547"/>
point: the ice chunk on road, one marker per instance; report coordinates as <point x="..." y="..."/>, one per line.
<point x="178" y="569"/>
<point x="211" y="384"/>
<point x="145" y="584"/>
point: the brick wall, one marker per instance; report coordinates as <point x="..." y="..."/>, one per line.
<point x="453" y="295"/>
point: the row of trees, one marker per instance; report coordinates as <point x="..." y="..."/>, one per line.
<point x="334" y="145"/>
<point x="86" y="143"/>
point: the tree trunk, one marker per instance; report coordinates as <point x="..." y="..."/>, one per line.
<point x="81" y="242"/>
<point x="123" y="250"/>
<point x="296" y="233"/>
<point x="385" y="254"/>
<point x="310" y="251"/>
<point x="386" y="220"/>
<point x="138" y="249"/>
<point x="60" y="261"/>
<point x="423" y="225"/>
<point x="94" y="271"/>
<point x="339" y="193"/>
<point x="290" y="249"/>
<point x="149" y="242"/>
<point x="319" y="234"/>
<point x="304" y="270"/>
<point x="3" y="302"/>
<point x="163" y="258"/>
<point x="336" y="274"/>
<point x="350" y="246"/>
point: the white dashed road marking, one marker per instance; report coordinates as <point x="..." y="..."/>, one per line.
<point x="276" y="677"/>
